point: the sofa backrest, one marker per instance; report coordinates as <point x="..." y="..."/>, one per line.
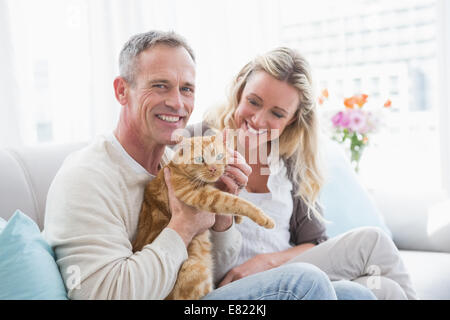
<point x="26" y="175"/>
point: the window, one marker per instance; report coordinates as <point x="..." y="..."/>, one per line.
<point x="51" y="44"/>
<point x="66" y="53"/>
<point x="388" y="50"/>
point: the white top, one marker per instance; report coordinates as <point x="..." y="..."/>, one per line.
<point x="92" y="213"/>
<point x="278" y="204"/>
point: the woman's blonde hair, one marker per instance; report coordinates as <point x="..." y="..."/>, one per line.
<point x="298" y="144"/>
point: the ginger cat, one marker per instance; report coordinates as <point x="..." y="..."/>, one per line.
<point x="197" y="164"/>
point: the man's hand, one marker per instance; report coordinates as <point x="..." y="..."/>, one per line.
<point x="187" y="221"/>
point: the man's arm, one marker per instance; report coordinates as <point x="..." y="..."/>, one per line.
<point x="84" y="225"/>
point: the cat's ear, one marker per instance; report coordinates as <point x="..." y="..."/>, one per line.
<point x="179" y="139"/>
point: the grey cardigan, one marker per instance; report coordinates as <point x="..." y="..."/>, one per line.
<point x="302" y="228"/>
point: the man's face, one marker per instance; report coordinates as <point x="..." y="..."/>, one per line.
<point x="161" y="99"/>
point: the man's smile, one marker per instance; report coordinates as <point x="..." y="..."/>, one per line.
<point x="169" y="118"/>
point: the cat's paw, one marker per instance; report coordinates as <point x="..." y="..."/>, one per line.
<point x="264" y="220"/>
<point x="269" y="223"/>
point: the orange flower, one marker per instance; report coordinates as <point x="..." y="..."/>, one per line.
<point x="321" y="100"/>
<point x="323" y="96"/>
<point x="349" y="102"/>
<point x="361" y="99"/>
<point x="365" y="140"/>
<point x="388" y="104"/>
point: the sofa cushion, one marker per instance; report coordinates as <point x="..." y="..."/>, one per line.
<point x="27" y="263"/>
<point x="347" y="204"/>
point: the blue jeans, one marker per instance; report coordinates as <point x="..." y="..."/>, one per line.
<point x="294" y="281"/>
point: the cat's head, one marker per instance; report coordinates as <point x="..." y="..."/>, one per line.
<point x="201" y="158"/>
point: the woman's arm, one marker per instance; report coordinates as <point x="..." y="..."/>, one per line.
<point x="263" y="262"/>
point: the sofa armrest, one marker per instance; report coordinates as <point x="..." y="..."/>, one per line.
<point x="418" y="221"/>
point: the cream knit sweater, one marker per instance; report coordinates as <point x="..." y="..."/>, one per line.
<point x="91" y="218"/>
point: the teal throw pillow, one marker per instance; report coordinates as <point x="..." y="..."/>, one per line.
<point x="347" y="204"/>
<point x="27" y="263"/>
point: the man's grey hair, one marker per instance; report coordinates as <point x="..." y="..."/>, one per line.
<point x="141" y="42"/>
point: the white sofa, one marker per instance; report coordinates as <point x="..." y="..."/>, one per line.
<point x="26" y="174"/>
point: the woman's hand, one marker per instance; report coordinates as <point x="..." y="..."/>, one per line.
<point x="263" y="262"/>
<point x="258" y="263"/>
<point x="236" y="173"/>
<point x="232" y="181"/>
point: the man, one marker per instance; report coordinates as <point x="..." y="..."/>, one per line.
<point x="94" y="201"/>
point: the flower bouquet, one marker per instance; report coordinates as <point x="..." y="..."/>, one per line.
<point x="353" y="125"/>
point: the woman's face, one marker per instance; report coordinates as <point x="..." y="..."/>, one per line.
<point x="267" y="106"/>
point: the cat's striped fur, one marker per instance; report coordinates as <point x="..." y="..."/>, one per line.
<point x="193" y="181"/>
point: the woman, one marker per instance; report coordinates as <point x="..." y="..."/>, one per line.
<point x="272" y="108"/>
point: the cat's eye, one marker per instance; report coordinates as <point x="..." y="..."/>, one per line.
<point x="220" y="156"/>
<point x="198" y="159"/>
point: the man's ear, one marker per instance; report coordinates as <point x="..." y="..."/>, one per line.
<point x="121" y="90"/>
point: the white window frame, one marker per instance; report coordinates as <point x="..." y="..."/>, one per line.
<point x="444" y="92"/>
